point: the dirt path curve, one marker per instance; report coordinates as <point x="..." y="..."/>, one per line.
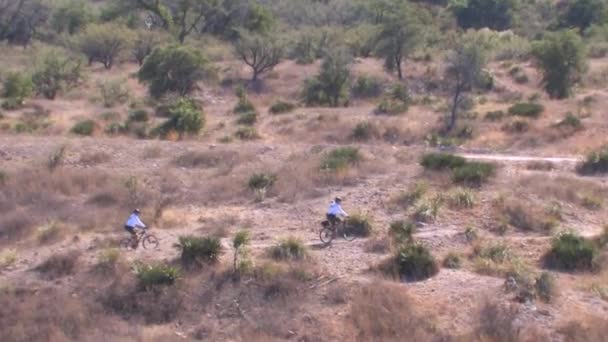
<point x="514" y="158"/>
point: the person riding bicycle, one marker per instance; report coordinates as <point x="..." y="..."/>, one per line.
<point x="335" y="212"/>
<point x="134" y="222"/>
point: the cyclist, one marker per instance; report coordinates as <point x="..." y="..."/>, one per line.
<point x="134" y="222"/>
<point x="335" y="212"/>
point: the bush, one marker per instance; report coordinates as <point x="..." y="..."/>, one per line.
<point x="70" y="16"/>
<point x="145" y="42"/>
<point x="243" y="105"/>
<point x="139" y="115"/>
<point x="402" y="232"/>
<point x="150" y="276"/>
<point x="596" y="162"/>
<point x="473" y="173"/>
<point x="363" y="131"/>
<point x="396" y="102"/>
<point x="55" y="159"/>
<point x="359" y="225"/>
<point x="85" y="127"/>
<point x="570" y="121"/>
<point x="56" y="71"/>
<point x="442" y="161"/>
<point x="366" y="87"/>
<point x="571" y="252"/>
<point x="261" y="181"/>
<point x="174" y="69"/>
<point x="412" y="196"/>
<point x="198" y="250"/>
<point x="527" y="109"/>
<point x="462" y="198"/>
<point x="288" y="249"/>
<point x="330" y="86"/>
<point x="104" y="42"/>
<point x="248" y="118"/>
<point x="493" y="14"/>
<point x="281" y="107"/>
<point x="517" y="126"/>
<point x="186" y="118"/>
<point x="59" y="265"/>
<point x="427" y="211"/>
<point x="247" y="133"/>
<point x="113" y="92"/>
<point x="415" y="262"/>
<point x="341" y="158"/>
<point x="452" y="260"/>
<point x="545" y="287"/>
<point x="495" y="115"/>
<point x="18" y="86"/>
<point x="12" y="104"/>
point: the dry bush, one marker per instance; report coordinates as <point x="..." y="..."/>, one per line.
<point x="527" y="216"/>
<point x="499" y="324"/>
<point x="567" y="189"/>
<point x="94" y="158"/>
<point x="594" y="329"/>
<point x="15" y="225"/>
<point x="152" y="152"/>
<point x="59" y="265"/>
<point x="224" y="160"/>
<point x="383" y="312"/>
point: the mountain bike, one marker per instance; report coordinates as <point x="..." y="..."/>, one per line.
<point x="148" y="241"/>
<point x="330" y="231"/>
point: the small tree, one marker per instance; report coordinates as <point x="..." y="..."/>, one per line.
<point x="17" y="86"/>
<point x="494" y="14"/>
<point x="464" y="65"/>
<point x="70" y="16"/>
<point x="56" y="71"/>
<point x="584" y="13"/>
<point x="174" y="69"/>
<point x="104" y="42"/>
<point x="145" y="42"/>
<point x="398" y="36"/>
<point x="561" y="58"/>
<point x="260" y="52"/>
<point x="186" y="118"/>
<point x="330" y="86"/>
<point x="240" y="241"/>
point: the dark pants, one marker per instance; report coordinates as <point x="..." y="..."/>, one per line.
<point x="333" y="219"/>
<point x="131" y="230"/>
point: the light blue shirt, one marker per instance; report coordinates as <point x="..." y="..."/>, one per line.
<point x="135" y="222"/>
<point x="336" y="209"/>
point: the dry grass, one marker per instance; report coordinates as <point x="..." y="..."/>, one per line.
<point x="498" y="323"/>
<point x="593" y="329"/>
<point x="15" y="225"/>
<point x="95" y="158"/>
<point x="562" y="188"/>
<point x="223" y="160"/>
<point x="59" y="265"/>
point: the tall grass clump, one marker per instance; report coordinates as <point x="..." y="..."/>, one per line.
<point x="281" y="107"/>
<point x="198" y="250"/>
<point x="341" y="158"/>
<point x="414" y="262"/>
<point x="150" y="276"/>
<point x="288" y="249"/>
<point x="571" y="252"/>
<point x="402" y="232"/>
<point x="527" y="109"/>
<point x="359" y="225"/>
<point x="442" y="161"/>
<point x="473" y="173"/>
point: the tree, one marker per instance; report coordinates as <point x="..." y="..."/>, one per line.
<point x="398" y="36"/>
<point x="561" y="58"/>
<point x="330" y="86"/>
<point x="70" y="16"/>
<point x="260" y="52"/>
<point x="56" y="71"/>
<point x="104" y="42"/>
<point x="145" y="42"/>
<point x="584" y="13"/>
<point x="494" y="14"/>
<point x="174" y="68"/>
<point x="464" y="67"/>
<point x="186" y="118"/>
<point x="20" y="19"/>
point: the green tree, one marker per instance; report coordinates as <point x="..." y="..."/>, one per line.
<point x="20" y="20"/>
<point x="145" y="42"/>
<point x="330" y="86"/>
<point x="103" y="43"/>
<point x="561" y="58"/>
<point x="56" y="71"/>
<point x="584" y="13"/>
<point x="71" y="16"/>
<point x="399" y="35"/>
<point x="174" y="68"/>
<point x="464" y="65"/>
<point x="260" y="52"/>
<point x="493" y="14"/>
<point x="186" y="118"/>
<point x="17" y="86"/>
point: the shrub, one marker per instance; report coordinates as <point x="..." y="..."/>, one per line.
<point x="442" y="161"/>
<point x="186" y="118"/>
<point x="104" y="42"/>
<point x="12" y="104"/>
<point x="239" y="242"/>
<point x="341" y="158"/>
<point x="363" y="131"/>
<point x="243" y="105"/>
<point x="150" y="276"/>
<point x="330" y="86"/>
<point x="412" y="196"/>
<point x="18" y="86"/>
<point x="527" y="109"/>
<point x="452" y="260"/>
<point x="493" y="14"/>
<point x="595" y="162"/>
<point x="145" y="42"/>
<point x="288" y="249"/>
<point x="113" y="92"/>
<point x="415" y="262"/>
<point x="260" y="181"/>
<point x="248" y="118"/>
<point x="71" y="16"/>
<point x="545" y="287"/>
<point x="517" y="126"/>
<point x="260" y="52"/>
<point x="247" y="133"/>
<point x="8" y="257"/>
<point x="198" y="250"/>
<point x="402" y="232"/>
<point x="571" y="252"/>
<point x="396" y="102"/>
<point x="85" y="127"/>
<point x="359" y="225"/>
<point x="462" y="198"/>
<point x="108" y="258"/>
<point x="56" y="71"/>
<point x="174" y="69"/>
<point x="139" y="115"/>
<point x="281" y="107"/>
<point x="473" y="173"/>
<point x="59" y="265"/>
<point x="55" y="159"/>
<point x="495" y="115"/>
<point x="427" y="211"/>
<point x="366" y="87"/>
<point x="570" y="121"/>
<point x="48" y="232"/>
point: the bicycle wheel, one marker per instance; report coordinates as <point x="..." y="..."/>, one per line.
<point x="348" y="233"/>
<point x="326" y="235"/>
<point x="126" y="243"/>
<point x="150" y="242"/>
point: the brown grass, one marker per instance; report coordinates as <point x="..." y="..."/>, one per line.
<point x="594" y="329"/>
<point x="59" y="265"/>
<point x="95" y="158"/>
<point x="15" y="225"/>
<point x="567" y="189"/>
<point x="498" y="323"/>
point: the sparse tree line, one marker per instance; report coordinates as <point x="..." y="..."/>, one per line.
<point x="162" y="37"/>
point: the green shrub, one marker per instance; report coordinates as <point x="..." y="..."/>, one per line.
<point x="596" y="162"/>
<point x="517" y="126"/>
<point x="103" y="42"/>
<point x="3" y="177"/>
<point x="363" y="131"/>
<point x="402" y="232"/>
<point x="473" y="173"/>
<point x="396" y="102"/>
<point x="493" y="14"/>
<point x="415" y="262"/>
<point x="495" y="115"/>
<point x="56" y="71"/>
<point x="288" y="249"/>
<point x="427" y="211"/>
<point x="412" y="196"/>
<point x="452" y="260"/>
<point x="571" y="252"/>
<point x="359" y="225"/>
<point x="139" y="115"/>
<point x="12" y="104"/>
<point x="113" y="92"/>
<point x="186" y="118"/>
<point x="248" y="118"/>
<point x="70" y="16"/>
<point x="330" y="86"/>
<point x="260" y="181"/>
<point x="498" y="253"/>
<point x="442" y="161"/>
<point x="198" y="250"/>
<point x="462" y="198"/>
<point x="570" y="121"/>
<point x="518" y="75"/>
<point x="243" y="105"/>
<point x="247" y="133"/>
<point x="281" y="107"/>
<point x="85" y="127"/>
<point x="341" y="158"/>
<point x="366" y="87"/>
<point x="150" y="276"/>
<point x="17" y="85"/>
<point x="545" y="287"/>
<point x="527" y="109"/>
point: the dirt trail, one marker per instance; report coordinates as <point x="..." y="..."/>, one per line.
<point x="515" y="158"/>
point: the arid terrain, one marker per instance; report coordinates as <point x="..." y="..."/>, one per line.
<point x="485" y="262"/>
